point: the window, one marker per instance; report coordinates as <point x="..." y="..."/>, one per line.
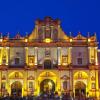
<point x="17" y="53"/>
<point x="47" y="64"/>
<point x="17" y="60"/>
<point x="79" y="61"/>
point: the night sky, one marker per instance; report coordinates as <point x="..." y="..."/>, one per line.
<point x="75" y="15"/>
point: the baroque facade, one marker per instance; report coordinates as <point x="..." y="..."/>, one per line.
<point x="48" y="59"/>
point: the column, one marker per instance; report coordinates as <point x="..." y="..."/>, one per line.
<point x="59" y="55"/>
<point x="59" y="31"/>
<point x="36" y="31"/>
<point x="96" y="58"/>
<point x="51" y="32"/>
<point x="0" y="81"/>
<point x="0" y="55"/>
<point x="26" y="55"/>
<point x="43" y="32"/>
<point x="97" y="83"/>
<point x="69" y="55"/>
<point x="89" y="54"/>
<point x="36" y="55"/>
<point x="7" y="55"/>
<point x="25" y="83"/>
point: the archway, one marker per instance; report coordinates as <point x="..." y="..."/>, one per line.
<point x="80" y="89"/>
<point x="47" y="85"/>
<point x="16" y="88"/>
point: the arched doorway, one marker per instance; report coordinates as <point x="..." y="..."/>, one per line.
<point x="47" y="85"/>
<point x="80" y="89"/>
<point x="16" y="88"/>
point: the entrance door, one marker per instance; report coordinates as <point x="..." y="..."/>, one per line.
<point x="47" y="85"/>
<point x="80" y="89"/>
<point x="16" y="88"/>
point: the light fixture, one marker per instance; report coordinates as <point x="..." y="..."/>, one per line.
<point x="47" y="40"/>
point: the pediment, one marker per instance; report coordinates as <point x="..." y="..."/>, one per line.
<point x="65" y="77"/>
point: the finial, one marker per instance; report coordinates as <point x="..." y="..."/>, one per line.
<point x="88" y="34"/>
<point x="95" y="36"/>
<point x="70" y="34"/>
<point x="79" y="32"/>
<point x="1" y="35"/>
<point x="18" y="32"/>
<point x="26" y="34"/>
<point x="8" y="34"/>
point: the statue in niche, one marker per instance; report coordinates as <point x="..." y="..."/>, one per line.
<point x="4" y="58"/>
<point x="47" y="52"/>
<point x="3" y="77"/>
<point x="4" y="55"/>
<point x="16" y="74"/>
<point x="80" y="54"/>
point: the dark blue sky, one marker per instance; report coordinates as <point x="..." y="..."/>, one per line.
<point x="76" y="15"/>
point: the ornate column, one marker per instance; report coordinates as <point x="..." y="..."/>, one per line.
<point x="59" y="55"/>
<point x="69" y="55"/>
<point x="7" y="55"/>
<point x="26" y="53"/>
<point x="43" y="32"/>
<point x="96" y="58"/>
<point x="25" y="82"/>
<point x="51" y="32"/>
<point x="96" y="72"/>
<point x="0" y="55"/>
<point x="89" y="55"/>
<point x="36" y="31"/>
<point x="59" y="31"/>
<point x="36" y="55"/>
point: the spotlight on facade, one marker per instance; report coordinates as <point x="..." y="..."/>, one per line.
<point x="89" y="40"/>
<point x="0" y="40"/>
<point x="47" y="40"/>
<point x="26" y="40"/>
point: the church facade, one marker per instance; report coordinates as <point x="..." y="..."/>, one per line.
<point x="48" y="59"/>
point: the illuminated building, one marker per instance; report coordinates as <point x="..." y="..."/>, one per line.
<point x="49" y="59"/>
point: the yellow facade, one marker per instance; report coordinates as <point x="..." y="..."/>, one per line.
<point x="47" y="59"/>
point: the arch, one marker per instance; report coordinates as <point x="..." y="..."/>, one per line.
<point x="47" y="85"/>
<point x="80" y="88"/>
<point x="80" y="84"/>
<point x="47" y="74"/>
<point x="13" y="75"/>
<point x="16" y="88"/>
<point x="80" y="75"/>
